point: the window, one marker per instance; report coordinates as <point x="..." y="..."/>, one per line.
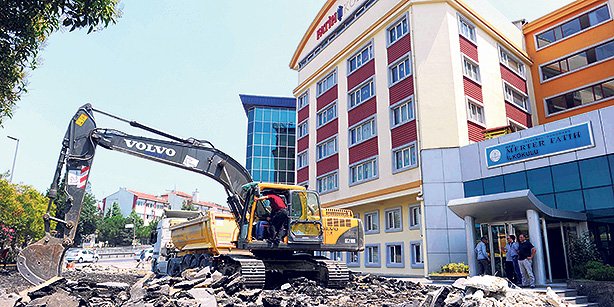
<point x="578" y="60"/>
<point x="402" y="112"/>
<point x="352" y="259"/>
<point x="327" y="148"/>
<point x="405" y="157"/>
<point x="326" y="83"/>
<point x="302" y="129"/>
<point x="302" y="160"/>
<point x="362" y="94"/>
<point x="372" y="255"/>
<point x="327" y="183"/>
<point x="566" y="177"/>
<point x="337" y="256"/>
<point x="364" y="171"/>
<point x="511" y="62"/>
<point x="514" y="126"/>
<point x="393" y="219"/>
<point x="359" y="59"/>
<point x="372" y="222"/>
<point x="475" y="111"/>
<point x="471" y="69"/>
<point x="362" y="132"/>
<point x="516" y="97"/>
<point x="394" y="255"/>
<point x="397" y="31"/>
<point x="416" y="254"/>
<point x="302" y="101"/>
<point x="399" y="71"/>
<point x="327" y="115"/>
<point x="414" y="217"/>
<point x="466" y="29"/>
<point x="583" y="96"/>
<point x="573" y="26"/>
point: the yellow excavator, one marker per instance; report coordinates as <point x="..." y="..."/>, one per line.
<point x="231" y="243"/>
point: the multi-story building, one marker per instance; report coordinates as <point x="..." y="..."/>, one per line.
<point x="381" y="81"/>
<point x="177" y="200"/>
<point x="147" y="206"/>
<point x="572" y="50"/>
<point x="271" y="131"/>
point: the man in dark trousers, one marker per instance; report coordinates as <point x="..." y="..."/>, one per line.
<point x="526" y="252"/>
<point x="482" y="257"/>
<point x="512" y="269"/>
<point x="279" y="218"/>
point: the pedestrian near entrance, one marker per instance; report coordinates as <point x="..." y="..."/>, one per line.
<point x="482" y="256"/>
<point x="526" y="252"/>
<point x="512" y="269"/>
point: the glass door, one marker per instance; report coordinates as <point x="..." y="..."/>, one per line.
<point x="497" y="239"/>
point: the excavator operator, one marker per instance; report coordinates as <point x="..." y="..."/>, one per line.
<point x="279" y="218"/>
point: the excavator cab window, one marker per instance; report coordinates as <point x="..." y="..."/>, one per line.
<point x="305" y="218"/>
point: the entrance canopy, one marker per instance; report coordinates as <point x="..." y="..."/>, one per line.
<point x="508" y="206"/>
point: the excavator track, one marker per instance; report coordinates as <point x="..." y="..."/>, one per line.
<point x="252" y="270"/>
<point x="332" y="274"/>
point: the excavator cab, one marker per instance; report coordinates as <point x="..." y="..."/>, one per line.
<point x="305" y="225"/>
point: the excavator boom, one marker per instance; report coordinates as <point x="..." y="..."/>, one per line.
<point x="42" y="260"/>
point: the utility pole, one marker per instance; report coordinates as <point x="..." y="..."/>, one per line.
<point x="14" y="156"/>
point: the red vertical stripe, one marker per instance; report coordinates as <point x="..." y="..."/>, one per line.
<point x="328" y="165"/>
<point x="518" y="115"/>
<point x="472" y="89"/>
<point x="513" y="79"/>
<point x="361" y="74"/>
<point x="400" y="48"/>
<point x="326" y="98"/>
<point x="404" y="134"/>
<point x="475" y="132"/>
<point x="363" y="150"/>
<point x="362" y="111"/>
<point x="401" y="90"/>
<point x="327" y="130"/>
<point x="468" y="48"/>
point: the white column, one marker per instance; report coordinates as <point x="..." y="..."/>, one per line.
<point x="535" y="236"/>
<point x="582" y="228"/>
<point x="470" y="234"/>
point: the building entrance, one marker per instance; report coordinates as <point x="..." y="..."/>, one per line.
<point x="497" y="237"/>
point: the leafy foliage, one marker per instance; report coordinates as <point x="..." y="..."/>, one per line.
<point x="188" y="206"/>
<point x="89" y="220"/>
<point x="25" y="25"/>
<point x="21" y="210"/>
<point x="596" y="270"/>
<point x="455" y="268"/>
<point x="582" y="250"/>
<point x="112" y="229"/>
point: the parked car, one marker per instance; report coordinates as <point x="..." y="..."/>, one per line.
<point x="81" y="255"/>
<point x="148" y="254"/>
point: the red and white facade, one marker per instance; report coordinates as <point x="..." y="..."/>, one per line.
<point x="148" y="207"/>
<point x="382" y="80"/>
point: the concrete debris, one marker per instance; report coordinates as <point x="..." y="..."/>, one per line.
<point x="207" y="287"/>
<point x="489" y="291"/>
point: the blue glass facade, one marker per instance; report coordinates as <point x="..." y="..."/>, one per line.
<point x="271" y="139"/>
<point x="583" y="185"/>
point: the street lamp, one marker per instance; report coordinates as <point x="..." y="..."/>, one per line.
<point x="14" y="156"/>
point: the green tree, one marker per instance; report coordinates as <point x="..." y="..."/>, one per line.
<point x="89" y="220"/>
<point x="22" y="208"/>
<point x="112" y="229"/>
<point x="25" y="25"/>
<point x="188" y="206"/>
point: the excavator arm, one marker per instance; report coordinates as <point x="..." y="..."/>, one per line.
<point x="42" y="260"/>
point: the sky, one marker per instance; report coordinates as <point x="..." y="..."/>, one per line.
<point x="176" y="66"/>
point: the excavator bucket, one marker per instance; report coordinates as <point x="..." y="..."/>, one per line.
<point x="42" y="260"/>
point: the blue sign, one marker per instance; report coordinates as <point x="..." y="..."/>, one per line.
<point x="542" y="145"/>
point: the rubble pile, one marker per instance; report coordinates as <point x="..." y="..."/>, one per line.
<point x="489" y="291"/>
<point x="207" y="287"/>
